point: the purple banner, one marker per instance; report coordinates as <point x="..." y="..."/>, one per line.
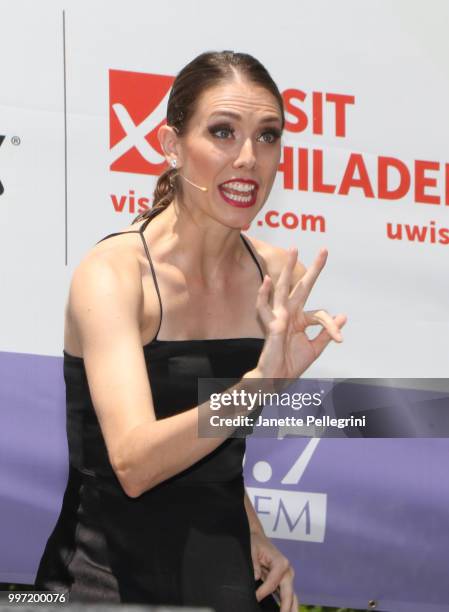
<point x="360" y="519"/>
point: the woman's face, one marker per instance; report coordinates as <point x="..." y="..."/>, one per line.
<point x="231" y="146"/>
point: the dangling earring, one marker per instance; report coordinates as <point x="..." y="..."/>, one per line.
<point x="173" y="163"/>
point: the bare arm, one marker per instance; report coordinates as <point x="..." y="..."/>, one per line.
<point x="105" y="303"/>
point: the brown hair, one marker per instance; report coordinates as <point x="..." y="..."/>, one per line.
<point x="203" y="72"/>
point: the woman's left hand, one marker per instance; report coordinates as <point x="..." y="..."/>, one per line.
<point x="271" y="566"/>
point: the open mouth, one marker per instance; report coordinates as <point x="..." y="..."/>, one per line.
<point x="239" y="193"/>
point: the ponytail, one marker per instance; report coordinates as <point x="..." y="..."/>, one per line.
<point x="163" y="194"/>
<point x="165" y="189"/>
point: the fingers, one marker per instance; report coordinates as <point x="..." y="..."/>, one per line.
<point x="257" y="572"/>
<point x="322" y="340"/>
<point x="262" y="303"/>
<point x="303" y="287"/>
<point x="278" y="577"/>
<point x="282" y="289"/>
<point x="279" y="583"/>
<point x="286" y="592"/>
<point x="322" y="317"/>
<point x="266" y="588"/>
<point x="256" y="564"/>
<point x="271" y="581"/>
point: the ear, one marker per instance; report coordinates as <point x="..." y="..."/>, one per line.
<point x="170" y="144"/>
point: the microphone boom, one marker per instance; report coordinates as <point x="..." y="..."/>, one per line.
<point x="194" y="185"/>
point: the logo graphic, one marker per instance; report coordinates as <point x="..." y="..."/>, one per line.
<point x="288" y="514"/>
<point x="2" y="189"/>
<point x="137" y="108"/>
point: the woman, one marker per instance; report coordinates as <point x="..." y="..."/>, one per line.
<point x="152" y="512"/>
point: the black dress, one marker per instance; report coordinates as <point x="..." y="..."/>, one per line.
<point x="186" y="541"/>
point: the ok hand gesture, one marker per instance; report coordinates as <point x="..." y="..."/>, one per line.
<point x="287" y="351"/>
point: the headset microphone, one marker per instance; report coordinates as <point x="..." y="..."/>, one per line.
<point x="197" y="186"/>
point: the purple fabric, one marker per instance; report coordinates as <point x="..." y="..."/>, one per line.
<point x="386" y="534"/>
<point x="384" y="502"/>
<point x="33" y="459"/>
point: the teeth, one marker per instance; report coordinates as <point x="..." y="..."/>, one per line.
<point x="239" y="198"/>
<point x="243" y="187"/>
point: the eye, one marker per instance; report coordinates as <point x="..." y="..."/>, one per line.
<point x="221" y="131"/>
<point x="270" y="136"/>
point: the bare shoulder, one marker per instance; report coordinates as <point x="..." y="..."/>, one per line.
<point x="275" y="259"/>
<point x="115" y="258"/>
<point x="118" y="262"/>
<point x="106" y="283"/>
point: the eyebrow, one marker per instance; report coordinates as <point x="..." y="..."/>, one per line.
<point x="232" y="115"/>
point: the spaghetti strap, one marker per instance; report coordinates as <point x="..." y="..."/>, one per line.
<point x="247" y="243"/>
<point x="153" y="272"/>
<point x="117" y="234"/>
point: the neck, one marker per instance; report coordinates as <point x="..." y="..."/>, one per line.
<point x="198" y="245"/>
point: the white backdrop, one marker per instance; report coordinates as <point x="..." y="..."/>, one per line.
<point x="391" y="57"/>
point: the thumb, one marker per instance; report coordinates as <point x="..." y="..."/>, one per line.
<point x="257" y="570"/>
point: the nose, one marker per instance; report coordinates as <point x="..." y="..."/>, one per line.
<point x="246" y="157"/>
